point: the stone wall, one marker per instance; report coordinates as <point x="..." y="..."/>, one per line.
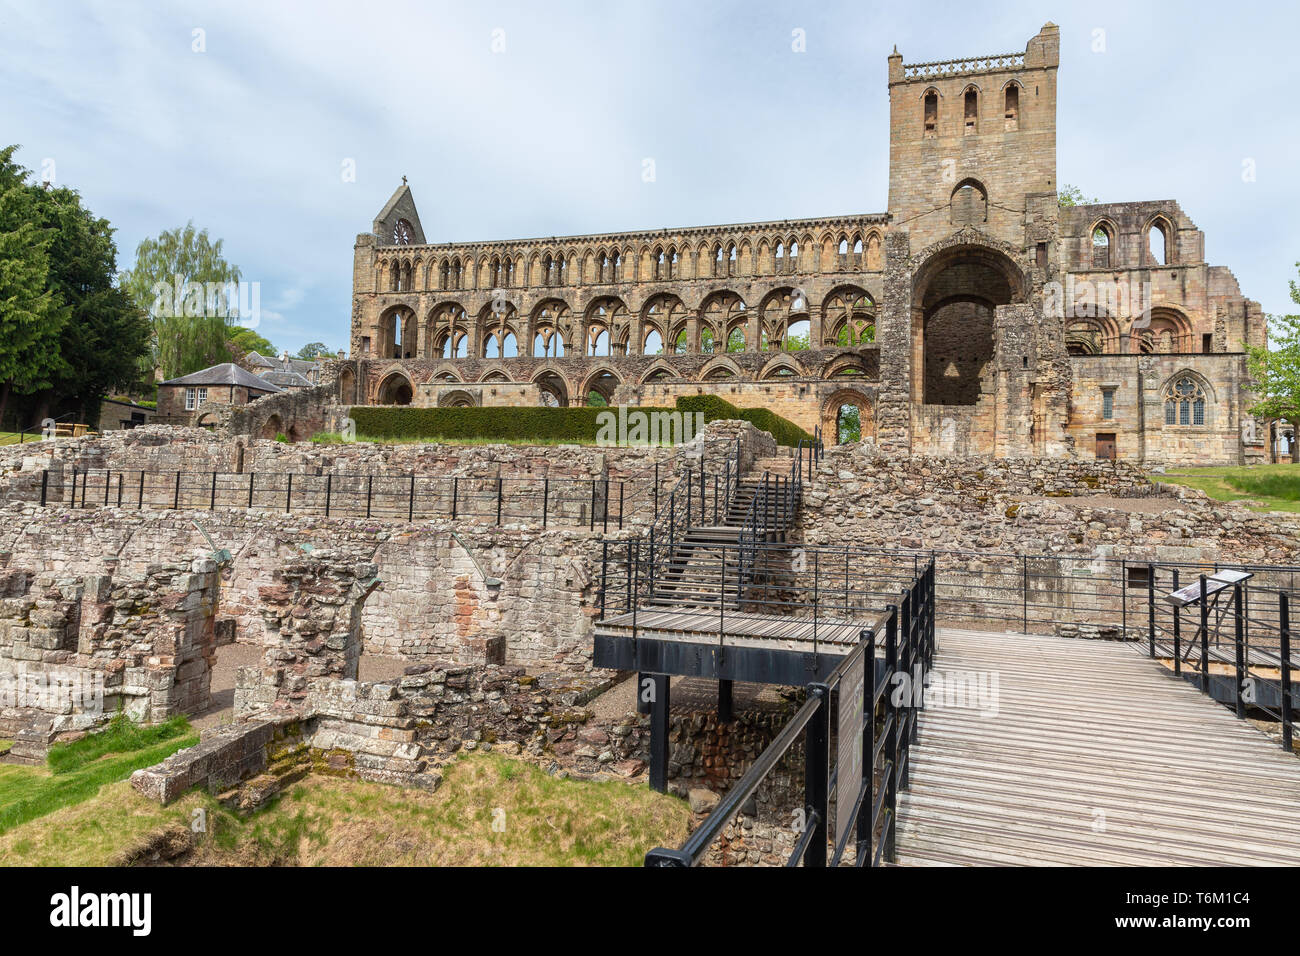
<point x="82" y="647"/>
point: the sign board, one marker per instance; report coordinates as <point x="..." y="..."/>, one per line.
<point x="849" y="744"/>
<point x="1216" y="582"/>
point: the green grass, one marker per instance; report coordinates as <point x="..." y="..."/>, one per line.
<point x="1268" y="487"/>
<point x="76" y="771"/>
<point x="330" y="821"/>
<point x="10" y="438"/>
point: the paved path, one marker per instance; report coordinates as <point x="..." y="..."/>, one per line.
<point x="1096" y="756"/>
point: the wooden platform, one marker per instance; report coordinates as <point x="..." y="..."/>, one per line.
<point x="704" y="625"/>
<point x="1096" y="756"/>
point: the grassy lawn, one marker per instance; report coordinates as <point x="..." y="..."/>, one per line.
<point x="75" y="772"/>
<point x="8" y="438"/>
<point x="1269" y="487"/>
<point x="329" y="821"/>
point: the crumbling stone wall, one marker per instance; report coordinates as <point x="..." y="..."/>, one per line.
<point x="82" y="648"/>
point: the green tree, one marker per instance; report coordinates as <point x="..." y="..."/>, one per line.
<point x="1072" y="196"/>
<point x="1275" y="367"/>
<point x="190" y="330"/>
<point x="313" y="351"/>
<point x="106" y="335"/>
<point x="247" y="340"/>
<point x="31" y="314"/>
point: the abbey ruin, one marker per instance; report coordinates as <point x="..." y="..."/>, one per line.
<point x="975" y="315"/>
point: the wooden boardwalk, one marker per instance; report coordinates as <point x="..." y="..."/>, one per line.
<point x="1096" y="756"/>
<point x="705" y="625"/>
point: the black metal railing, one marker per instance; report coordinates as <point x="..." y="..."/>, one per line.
<point x="37" y="432"/>
<point x="568" y="502"/>
<point x="855" y="784"/>
<point x="1228" y="634"/>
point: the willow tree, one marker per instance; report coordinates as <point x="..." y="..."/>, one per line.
<point x="173" y="280"/>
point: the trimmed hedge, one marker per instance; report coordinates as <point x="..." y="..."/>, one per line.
<point x="578" y="425"/>
<point x="714" y="408"/>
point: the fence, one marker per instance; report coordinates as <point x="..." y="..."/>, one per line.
<point x="569" y="502"/>
<point x="1230" y="635"/>
<point x="862" y="775"/>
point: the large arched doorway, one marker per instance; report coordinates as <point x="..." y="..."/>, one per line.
<point x="954" y="295"/>
<point x="395" y="390"/>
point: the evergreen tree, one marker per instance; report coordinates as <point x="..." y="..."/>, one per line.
<point x="31" y="314"/>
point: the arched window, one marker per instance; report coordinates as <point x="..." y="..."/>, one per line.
<point x="1101" y="246"/>
<point x="930" y="129"/>
<point x="654" y="343"/>
<point x="969" y="203"/>
<point x="1158" y="242"/>
<point x="1011" y="108"/>
<point x="971" y="111"/>
<point x="1185" y="402"/>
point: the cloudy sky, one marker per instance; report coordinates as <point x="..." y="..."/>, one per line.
<point x="248" y="127"/>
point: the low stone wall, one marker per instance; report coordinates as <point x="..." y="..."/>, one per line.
<point x="253" y="758"/>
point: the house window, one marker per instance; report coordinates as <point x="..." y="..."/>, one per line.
<point x="1108" y="403"/>
<point x="1185" y="402"/>
<point x="194" y="397"/>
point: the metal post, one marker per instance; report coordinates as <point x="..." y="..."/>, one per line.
<point x="1123" y="598"/>
<point x="45" y="485"/>
<point x="1178" y="638"/>
<point x="816" y="775"/>
<point x="1024" y="594"/>
<point x="455" y="490"/>
<point x="250" y="489"/>
<point x="891" y="738"/>
<point x="604" y="508"/>
<point x="591" y="512"/>
<point x="659" y="733"/>
<point x="621" y="485"/>
<point x="329" y="488"/>
<point x="499" y="497"/>
<point x="656" y="489"/>
<point x="74" y="486"/>
<point x="1205" y="638"/>
<point x="865" y="823"/>
<point x="410" y="500"/>
<point x="1151" y="608"/>
<point x="288" y="494"/>
<point x="120" y="476"/>
<point x="140" y="499"/>
<point x="1284" y="627"/>
<point x="370" y="490"/>
<point x="176" y="498"/>
<point x="108" y="481"/>
<point x="546" y="497"/>
<point x="1239" y="622"/>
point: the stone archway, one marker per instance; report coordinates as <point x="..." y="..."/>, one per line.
<point x="847" y="416"/>
<point x="955" y="293"/>
<point x="272" y="427"/>
<point x="395" y="389"/>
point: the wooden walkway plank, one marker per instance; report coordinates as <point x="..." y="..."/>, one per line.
<point x="1094" y="755"/>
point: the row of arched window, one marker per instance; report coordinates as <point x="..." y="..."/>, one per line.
<point x="661" y="262"/>
<point x="971" y="114"/>
<point x="1157" y="239"/>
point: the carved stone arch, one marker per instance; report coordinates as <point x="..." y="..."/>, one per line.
<point x="831" y="414"/>
<point x="457" y="398"/>
<point x="774" y="366"/>
<point x="603" y="379"/>
<point x="710" y="370"/>
<point x="658" y="369"/>
<point x="394" y="388"/>
<point x="447" y="368"/>
<point x="846" y="366"/>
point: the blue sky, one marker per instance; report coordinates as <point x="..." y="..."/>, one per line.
<point x="547" y="137"/>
